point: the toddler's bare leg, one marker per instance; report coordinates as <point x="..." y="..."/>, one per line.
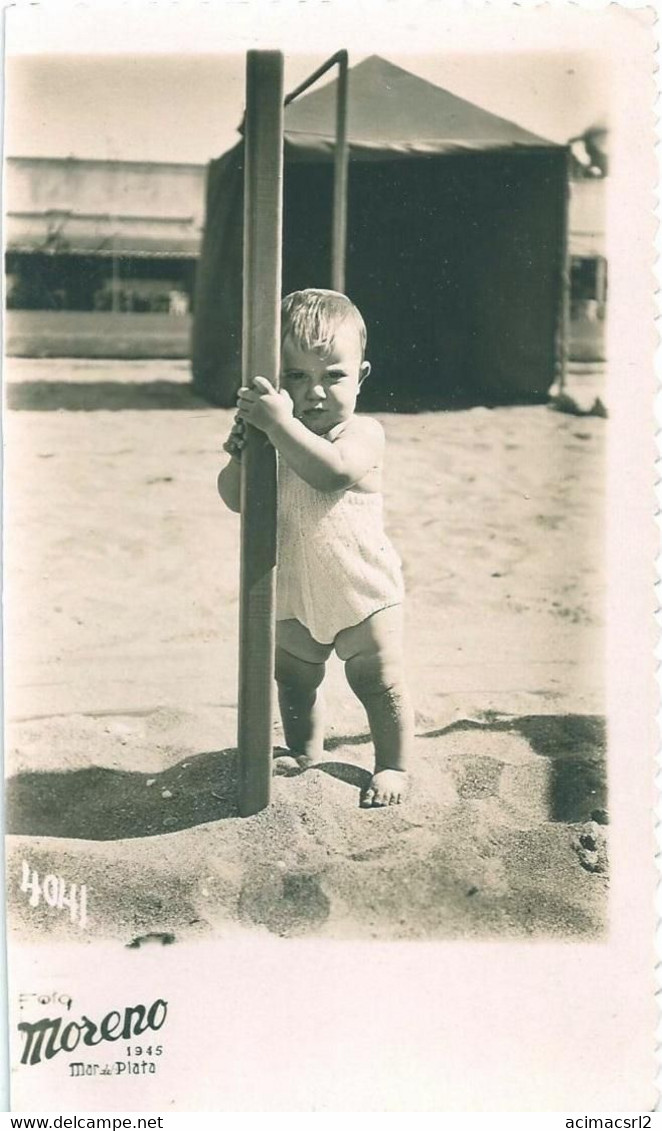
<point x="372" y="652"/>
<point x="300" y="666"/>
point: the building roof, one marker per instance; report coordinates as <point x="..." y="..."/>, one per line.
<point x="106" y="208"/>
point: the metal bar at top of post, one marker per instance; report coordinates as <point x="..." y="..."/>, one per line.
<point x="263" y="217"/>
<point x="332" y="61"/>
<point x="340" y="176"/>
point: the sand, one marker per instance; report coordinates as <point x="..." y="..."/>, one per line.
<point x="121" y="671"/>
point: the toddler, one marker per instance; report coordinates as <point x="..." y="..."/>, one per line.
<point x="338" y="581"/>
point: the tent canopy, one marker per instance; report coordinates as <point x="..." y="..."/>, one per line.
<point x="392" y="112"/>
<point x="455" y="243"/>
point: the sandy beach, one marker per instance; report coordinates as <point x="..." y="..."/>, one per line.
<point x="121" y="671"/>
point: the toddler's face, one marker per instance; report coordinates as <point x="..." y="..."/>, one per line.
<point x="324" y="387"/>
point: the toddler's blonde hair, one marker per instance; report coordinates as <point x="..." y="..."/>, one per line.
<point x="312" y="317"/>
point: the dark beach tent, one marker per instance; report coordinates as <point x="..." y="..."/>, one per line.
<point x="455" y="244"/>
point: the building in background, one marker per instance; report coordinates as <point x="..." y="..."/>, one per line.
<point x="588" y="261"/>
<point x="119" y="236"/>
<point x="587" y="244"/>
<point x="100" y="256"/>
<point x="588" y="270"/>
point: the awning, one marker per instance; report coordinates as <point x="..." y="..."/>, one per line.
<point x="62" y="233"/>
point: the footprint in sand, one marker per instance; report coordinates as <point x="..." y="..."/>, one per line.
<point x="590" y="844"/>
<point x="289" y="904"/>
<point x="165" y="938"/>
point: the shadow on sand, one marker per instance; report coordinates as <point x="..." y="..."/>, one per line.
<point x="103" y="804"/>
<point x="575" y="746"/>
<point x="96" y="396"/>
<point x="113" y="396"/>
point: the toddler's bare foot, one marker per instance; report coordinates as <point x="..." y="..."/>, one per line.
<point x="310" y="758"/>
<point x="387" y="787"/>
<point x="289" y="762"/>
<point x="284" y="765"/>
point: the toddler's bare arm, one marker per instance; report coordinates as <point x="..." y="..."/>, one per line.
<point x="330" y="466"/>
<point x="326" y="466"/>
<point x="229" y="479"/>
<point x="229" y="485"/>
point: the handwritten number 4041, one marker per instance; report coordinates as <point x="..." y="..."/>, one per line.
<point x="56" y="893"/>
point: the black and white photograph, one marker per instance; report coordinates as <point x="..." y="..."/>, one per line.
<point x="317" y="404"/>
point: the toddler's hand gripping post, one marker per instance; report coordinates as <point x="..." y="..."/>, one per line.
<point x="263" y="195"/>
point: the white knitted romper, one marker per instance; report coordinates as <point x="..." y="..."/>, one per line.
<point x="335" y="564"/>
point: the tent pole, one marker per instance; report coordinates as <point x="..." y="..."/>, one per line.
<point x="564" y="316"/>
<point x="340" y="164"/>
<point x="263" y="209"/>
<point x="340" y="172"/>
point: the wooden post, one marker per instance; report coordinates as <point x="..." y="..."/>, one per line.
<point x="601" y="283"/>
<point x="339" y="244"/>
<point x="115" y="284"/>
<point x="263" y="195"/>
